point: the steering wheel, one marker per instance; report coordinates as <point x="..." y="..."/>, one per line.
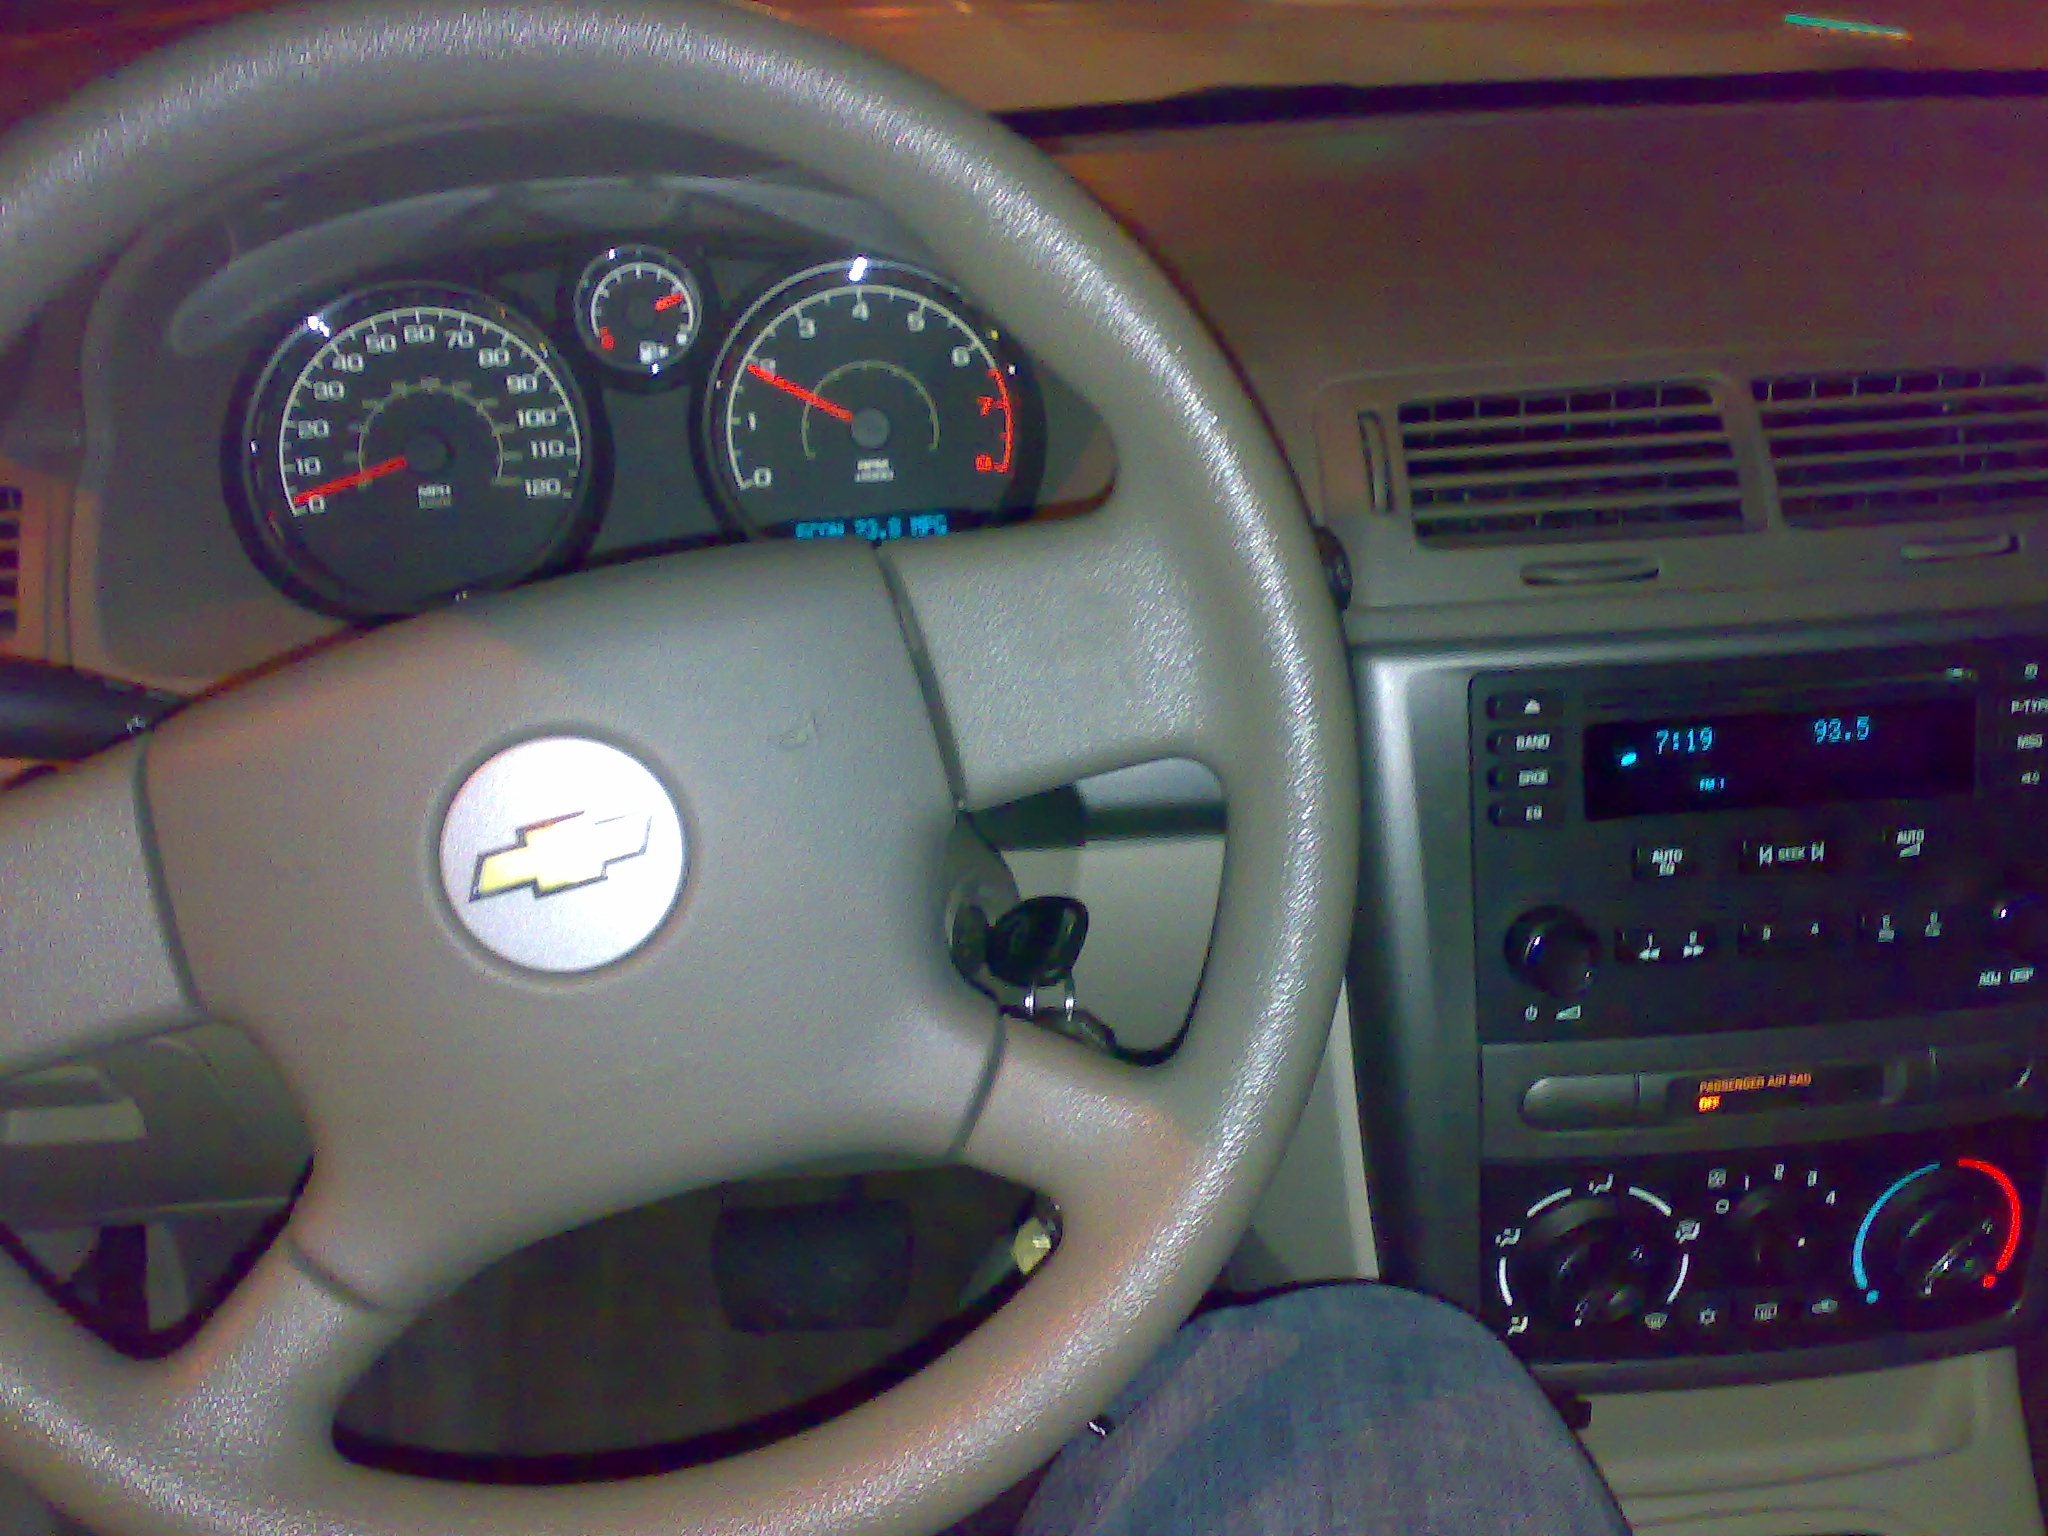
<point x="801" y="724"/>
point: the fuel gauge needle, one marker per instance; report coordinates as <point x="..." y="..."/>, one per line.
<point x="350" y="482"/>
<point x="791" y="387"/>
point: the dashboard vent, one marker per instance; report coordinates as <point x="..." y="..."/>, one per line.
<point x="1634" y="461"/>
<point x="1918" y="445"/>
<point x="10" y="559"/>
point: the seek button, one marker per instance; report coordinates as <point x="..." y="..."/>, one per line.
<point x="1796" y="856"/>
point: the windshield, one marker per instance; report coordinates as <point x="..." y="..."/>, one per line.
<point x="1019" y="55"/>
<point x="1022" y="54"/>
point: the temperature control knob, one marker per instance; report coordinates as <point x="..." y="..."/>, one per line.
<point x="1554" y="950"/>
<point x="1940" y="1233"/>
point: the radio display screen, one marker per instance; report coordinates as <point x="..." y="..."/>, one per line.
<point x="1891" y="751"/>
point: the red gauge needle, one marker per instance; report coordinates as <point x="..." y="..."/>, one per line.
<point x="670" y="302"/>
<point x="350" y="482"/>
<point x="791" y="387"/>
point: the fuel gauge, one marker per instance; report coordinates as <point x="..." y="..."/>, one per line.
<point x="638" y="309"/>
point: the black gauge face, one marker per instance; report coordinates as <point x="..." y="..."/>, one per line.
<point x="410" y="443"/>
<point x="869" y="401"/>
<point x="638" y="309"/>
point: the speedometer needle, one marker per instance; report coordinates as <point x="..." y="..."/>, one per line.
<point x="350" y="482"/>
<point x="791" y="387"/>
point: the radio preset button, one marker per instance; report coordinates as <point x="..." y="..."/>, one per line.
<point x="1639" y="946"/>
<point x="1665" y="861"/>
<point x="1928" y="925"/>
<point x="1541" y="704"/>
<point x="1793" y="856"/>
<point x="1523" y="776"/>
<point x="1662" y="946"/>
<point x="1533" y="811"/>
<point x="1880" y="930"/>
<point x="1771" y="938"/>
<point x="1814" y="934"/>
<point x="1764" y="938"/>
<point x="1522" y="743"/>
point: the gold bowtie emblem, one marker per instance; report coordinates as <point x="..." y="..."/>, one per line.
<point x="560" y="854"/>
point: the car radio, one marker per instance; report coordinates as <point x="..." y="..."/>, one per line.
<point x="1668" y="850"/>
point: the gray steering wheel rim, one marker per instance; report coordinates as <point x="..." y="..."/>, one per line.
<point x="1238" y="604"/>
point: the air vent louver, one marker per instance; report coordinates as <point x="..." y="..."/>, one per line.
<point x="1913" y="445"/>
<point x="10" y="559"/>
<point x="1635" y="461"/>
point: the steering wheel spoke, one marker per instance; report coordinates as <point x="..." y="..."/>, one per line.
<point x="89" y="961"/>
<point x="277" y="1359"/>
<point x="1085" y="1131"/>
<point x="1057" y="650"/>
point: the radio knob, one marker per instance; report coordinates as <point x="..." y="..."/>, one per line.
<point x="2018" y="921"/>
<point x="1554" y="950"/>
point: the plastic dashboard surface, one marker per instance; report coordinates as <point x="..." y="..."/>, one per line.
<point x="187" y="575"/>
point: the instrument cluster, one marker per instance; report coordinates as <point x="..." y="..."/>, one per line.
<point x="411" y="440"/>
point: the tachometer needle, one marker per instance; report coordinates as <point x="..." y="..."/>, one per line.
<point x="668" y="301"/>
<point x="791" y="387"/>
<point x="350" y="482"/>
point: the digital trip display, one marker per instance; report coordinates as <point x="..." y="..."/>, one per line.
<point x="1783" y="758"/>
<point x="876" y="530"/>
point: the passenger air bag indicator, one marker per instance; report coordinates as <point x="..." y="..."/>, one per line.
<point x="1778" y="1088"/>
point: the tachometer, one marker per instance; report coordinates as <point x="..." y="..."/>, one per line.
<point x="406" y="444"/>
<point x="868" y="400"/>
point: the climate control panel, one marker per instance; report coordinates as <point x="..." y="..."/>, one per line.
<point x="1711" y="1253"/>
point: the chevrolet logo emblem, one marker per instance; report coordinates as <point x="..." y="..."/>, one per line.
<point x="560" y="854"/>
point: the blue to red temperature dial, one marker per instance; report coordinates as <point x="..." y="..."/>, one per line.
<point x="1939" y="1232"/>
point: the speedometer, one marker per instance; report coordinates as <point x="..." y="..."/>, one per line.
<point x="407" y="444"/>
<point x="867" y="400"/>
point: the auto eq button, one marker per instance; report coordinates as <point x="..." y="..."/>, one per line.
<point x="1665" y="861"/>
